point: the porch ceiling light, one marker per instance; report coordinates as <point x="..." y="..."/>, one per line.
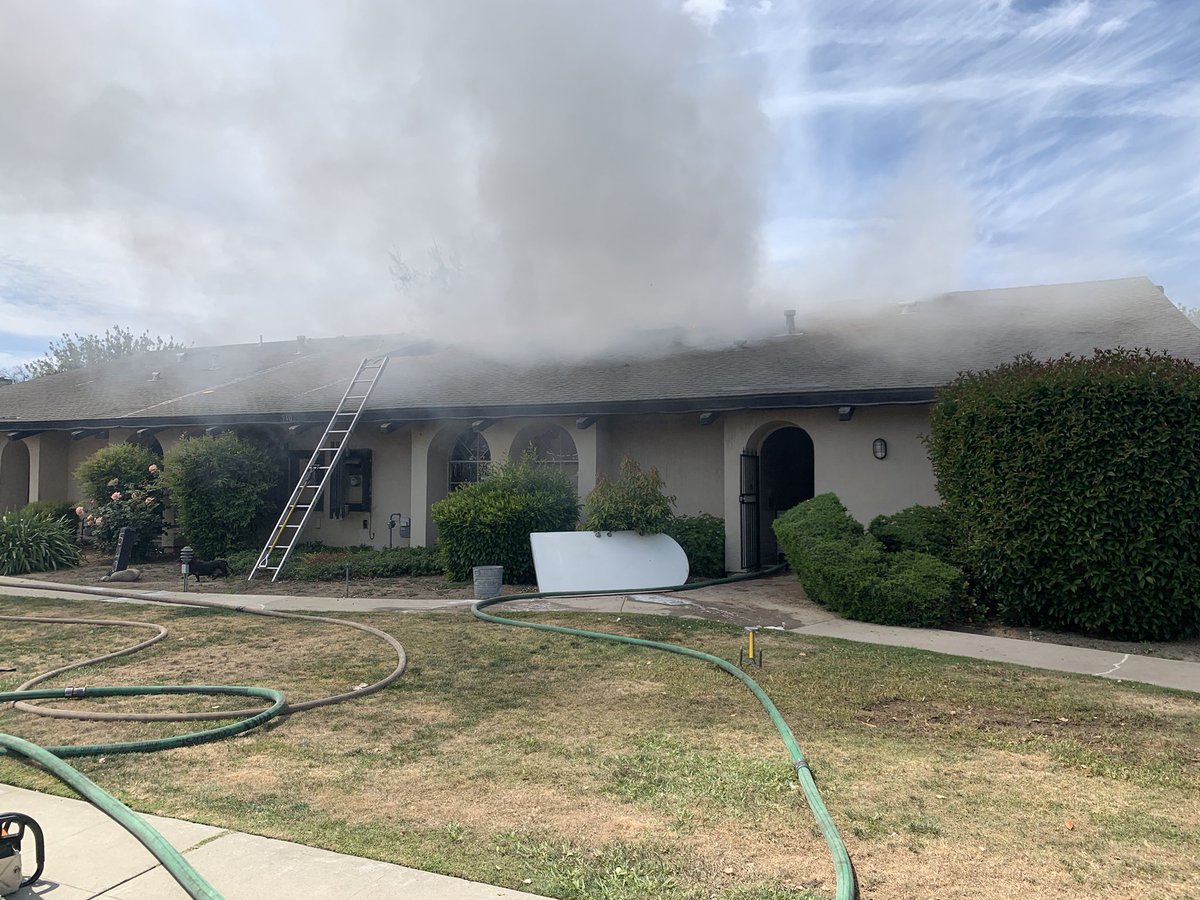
<point x="879" y="448"/>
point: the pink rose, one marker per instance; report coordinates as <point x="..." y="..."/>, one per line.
<point x="116" y="495"/>
<point x="79" y="511"/>
<point x="153" y="469"/>
<point x="99" y="520"/>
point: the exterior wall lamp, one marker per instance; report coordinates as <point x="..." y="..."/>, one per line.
<point x="879" y="448"/>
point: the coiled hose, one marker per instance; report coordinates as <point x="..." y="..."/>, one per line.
<point x="846" y="884"/>
<point x="50" y="758"/>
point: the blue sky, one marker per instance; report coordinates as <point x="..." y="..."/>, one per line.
<point x="220" y="171"/>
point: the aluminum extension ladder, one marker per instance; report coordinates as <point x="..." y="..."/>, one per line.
<point x="319" y="470"/>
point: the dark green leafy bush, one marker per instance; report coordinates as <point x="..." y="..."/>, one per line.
<point x="220" y="487"/>
<point x="636" y="501"/>
<point x="925" y="529"/>
<point x="331" y="564"/>
<point x="1077" y="486"/>
<point x="848" y="570"/>
<point x="35" y="542"/>
<point x="702" y="538"/>
<point x="54" y="509"/>
<point x="488" y="523"/>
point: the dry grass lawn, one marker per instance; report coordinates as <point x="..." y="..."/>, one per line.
<point x="604" y="771"/>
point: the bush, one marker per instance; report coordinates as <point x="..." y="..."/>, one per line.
<point x="35" y="542"/>
<point x="848" y="570"/>
<point x="925" y="529"/>
<point x="54" y="509"/>
<point x="1076" y="483"/>
<point x="116" y="467"/>
<point x="121" y="483"/>
<point x="394" y="562"/>
<point x="634" y="502"/>
<point x="220" y="487"/>
<point x="702" y="538"/>
<point x="488" y="523"/>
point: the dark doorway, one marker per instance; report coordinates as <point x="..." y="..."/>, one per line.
<point x="785" y="479"/>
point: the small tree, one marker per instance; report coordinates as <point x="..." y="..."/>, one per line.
<point x="220" y="488"/>
<point x="636" y="501"/>
<point x="77" y="351"/>
<point x="121" y="484"/>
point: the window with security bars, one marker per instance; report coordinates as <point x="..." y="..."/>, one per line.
<point x="553" y="446"/>
<point x="468" y="459"/>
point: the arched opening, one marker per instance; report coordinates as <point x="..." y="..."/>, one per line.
<point x="774" y="479"/>
<point x="456" y="457"/>
<point x="14" y="475"/>
<point x="469" y="458"/>
<point x="551" y="445"/>
<point x="147" y="440"/>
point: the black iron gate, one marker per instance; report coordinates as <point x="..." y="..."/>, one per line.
<point x="751" y="550"/>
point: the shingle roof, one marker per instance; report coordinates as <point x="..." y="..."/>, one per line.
<point x="897" y="355"/>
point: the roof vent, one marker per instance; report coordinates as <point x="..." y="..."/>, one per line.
<point x="789" y="316"/>
<point x="155" y="376"/>
<point x="181" y="355"/>
<point x="908" y="307"/>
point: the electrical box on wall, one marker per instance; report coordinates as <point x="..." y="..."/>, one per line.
<point x="350" y="488"/>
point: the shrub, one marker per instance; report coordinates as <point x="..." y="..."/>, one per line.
<point x="330" y="564"/>
<point x="634" y="502"/>
<point x="121" y="482"/>
<point x="35" y="542"/>
<point x="55" y="509"/>
<point x="116" y="467"/>
<point x="702" y="538"/>
<point x="488" y="523"/>
<point x="848" y="570"/>
<point x="219" y="486"/>
<point x="1077" y="486"/>
<point x="925" y="529"/>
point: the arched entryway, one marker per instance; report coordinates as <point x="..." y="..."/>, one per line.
<point x="14" y="475"/>
<point x="777" y="473"/>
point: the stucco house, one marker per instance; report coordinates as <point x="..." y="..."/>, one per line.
<point x="834" y="403"/>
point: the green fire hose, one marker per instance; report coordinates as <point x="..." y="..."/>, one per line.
<point x="846" y="886"/>
<point x="49" y="759"/>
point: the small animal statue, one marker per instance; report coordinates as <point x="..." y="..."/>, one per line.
<point x="210" y="567"/>
<point x="123" y="575"/>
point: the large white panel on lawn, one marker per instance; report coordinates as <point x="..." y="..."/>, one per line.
<point x="609" y="561"/>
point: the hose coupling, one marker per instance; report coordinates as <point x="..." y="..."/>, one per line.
<point x="74" y="693"/>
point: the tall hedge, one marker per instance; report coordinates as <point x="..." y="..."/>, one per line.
<point x="488" y="523"/>
<point x="1076" y="484"/>
<point x="220" y="488"/>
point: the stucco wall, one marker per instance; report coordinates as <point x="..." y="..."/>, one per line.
<point x="391" y="492"/>
<point x="688" y="456"/>
<point x="842" y="460"/>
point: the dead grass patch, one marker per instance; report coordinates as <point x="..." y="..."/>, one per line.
<point x="608" y="771"/>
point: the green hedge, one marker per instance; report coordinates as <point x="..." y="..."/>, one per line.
<point x="313" y="561"/>
<point x="54" y="509"/>
<point x="1077" y="486"/>
<point x="925" y="529"/>
<point x="488" y="523"/>
<point x="702" y="538"/>
<point x="848" y="570"/>
<point x="220" y="487"/>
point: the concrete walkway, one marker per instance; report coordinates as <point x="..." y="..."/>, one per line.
<point x="90" y="857"/>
